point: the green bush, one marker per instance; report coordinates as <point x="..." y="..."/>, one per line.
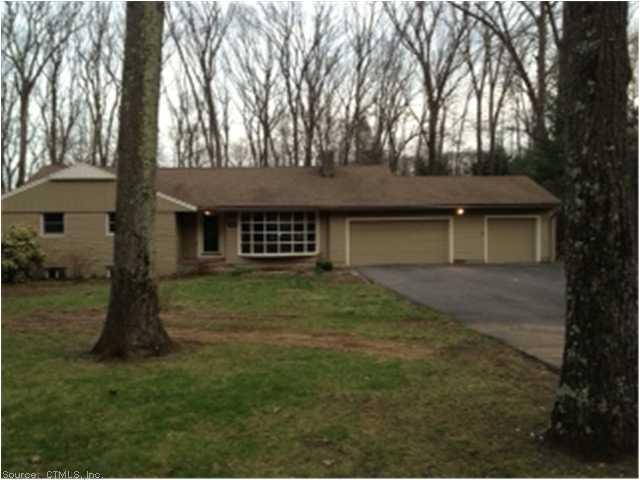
<point x="22" y="256"/>
<point x="323" y="266"/>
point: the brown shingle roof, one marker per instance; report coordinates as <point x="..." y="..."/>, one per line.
<point x="352" y="187"/>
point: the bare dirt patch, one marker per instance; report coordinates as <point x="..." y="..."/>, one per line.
<point x="329" y="341"/>
<point x="241" y="330"/>
<point x="42" y="319"/>
<point x="34" y="289"/>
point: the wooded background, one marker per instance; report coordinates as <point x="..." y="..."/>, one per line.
<point x="429" y="88"/>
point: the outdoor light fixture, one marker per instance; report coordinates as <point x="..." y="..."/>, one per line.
<point x="460" y="211"/>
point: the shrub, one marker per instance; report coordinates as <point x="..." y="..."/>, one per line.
<point x="323" y="266"/>
<point x="80" y="265"/>
<point x="22" y="256"/>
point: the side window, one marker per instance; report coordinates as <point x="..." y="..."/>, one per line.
<point x="111" y="223"/>
<point x="53" y="223"/>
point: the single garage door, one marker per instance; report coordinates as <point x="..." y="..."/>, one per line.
<point x="398" y="241"/>
<point x="511" y="240"/>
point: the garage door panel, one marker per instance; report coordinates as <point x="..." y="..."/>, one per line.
<point x="511" y="240"/>
<point x="396" y="242"/>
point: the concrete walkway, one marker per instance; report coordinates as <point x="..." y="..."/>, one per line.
<point x="521" y="305"/>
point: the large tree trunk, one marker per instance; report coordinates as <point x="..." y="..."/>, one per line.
<point x="133" y="325"/>
<point x="25" y="96"/>
<point x="596" y="409"/>
<point x="540" y="133"/>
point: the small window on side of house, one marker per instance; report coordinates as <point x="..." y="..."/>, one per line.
<point x="53" y="223"/>
<point x="111" y="223"/>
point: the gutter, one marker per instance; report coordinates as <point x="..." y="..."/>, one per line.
<point x="352" y="208"/>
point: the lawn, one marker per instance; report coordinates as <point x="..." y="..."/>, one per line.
<point x="276" y="375"/>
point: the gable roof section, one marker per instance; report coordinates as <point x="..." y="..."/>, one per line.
<point x="82" y="172"/>
<point x="352" y="187"/>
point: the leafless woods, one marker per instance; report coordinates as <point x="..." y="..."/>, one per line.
<point x="429" y="88"/>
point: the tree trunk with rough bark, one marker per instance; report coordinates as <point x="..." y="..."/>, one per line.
<point x="133" y="325"/>
<point x="25" y="96"/>
<point x="596" y="407"/>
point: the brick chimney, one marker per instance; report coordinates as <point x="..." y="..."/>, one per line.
<point x="327" y="162"/>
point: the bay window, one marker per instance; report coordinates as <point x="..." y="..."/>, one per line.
<point x="284" y="233"/>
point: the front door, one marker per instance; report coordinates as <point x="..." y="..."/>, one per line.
<point x="210" y="234"/>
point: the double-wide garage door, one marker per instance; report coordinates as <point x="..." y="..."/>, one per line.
<point x="379" y="242"/>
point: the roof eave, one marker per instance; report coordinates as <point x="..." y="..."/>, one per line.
<point x="472" y="206"/>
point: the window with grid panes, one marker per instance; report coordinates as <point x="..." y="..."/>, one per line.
<point x="278" y="233"/>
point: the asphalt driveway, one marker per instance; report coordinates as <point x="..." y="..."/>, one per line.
<point x="522" y="305"/>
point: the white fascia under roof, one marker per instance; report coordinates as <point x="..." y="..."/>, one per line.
<point x="82" y="171"/>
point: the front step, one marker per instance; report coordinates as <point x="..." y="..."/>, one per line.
<point x="201" y="265"/>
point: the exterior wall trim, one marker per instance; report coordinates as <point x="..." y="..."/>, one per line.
<point x="106" y="225"/>
<point x="52" y="235"/>
<point x="180" y="203"/>
<point x="350" y="220"/>
<point x="538" y="233"/>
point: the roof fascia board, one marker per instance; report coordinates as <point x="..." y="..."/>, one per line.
<point x="494" y="206"/>
<point x="174" y="200"/>
<point x="82" y="171"/>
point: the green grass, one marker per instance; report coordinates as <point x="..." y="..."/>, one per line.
<point x="471" y="407"/>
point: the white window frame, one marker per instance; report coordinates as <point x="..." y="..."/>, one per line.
<point x="286" y="254"/>
<point x="441" y="218"/>
<point x="108" y="232"/>
<point x="538" y="234"/>
<point x="64" y="226"/>
<point x="207" y="254"/>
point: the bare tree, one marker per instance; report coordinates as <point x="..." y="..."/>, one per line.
<point x="188" y="149"/>
<point x="254" y="69"/>
<point x="133" y="324"/>
<point x="394" y="91"/>
<point x="307" y="59"/>
<point x="60" y="105"/>
<point x="523" y="30"/>
<point x="491" y="73"/>
<point x="99" y="50"/>
<point x="197" y="31"/>
<point x="434" y="35"/>
<point x="28" y="46"/>
<point x="362" y="31"/>
<point x="9" y="128"/>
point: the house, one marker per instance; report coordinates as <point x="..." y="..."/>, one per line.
<point x="356" y="215"/>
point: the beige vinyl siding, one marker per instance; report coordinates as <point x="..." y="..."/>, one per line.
<point x="511" y="240"/>
<point x="86" y="250"/>
<point x="166" y="244"/>
<point x="546" y="247"/>
<point x="73" y="196"/>
<point x="468" y="238"/>
<point x="188" y="239"/>
<point x="337" y="239"/>
<point x="379" y="242"/>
